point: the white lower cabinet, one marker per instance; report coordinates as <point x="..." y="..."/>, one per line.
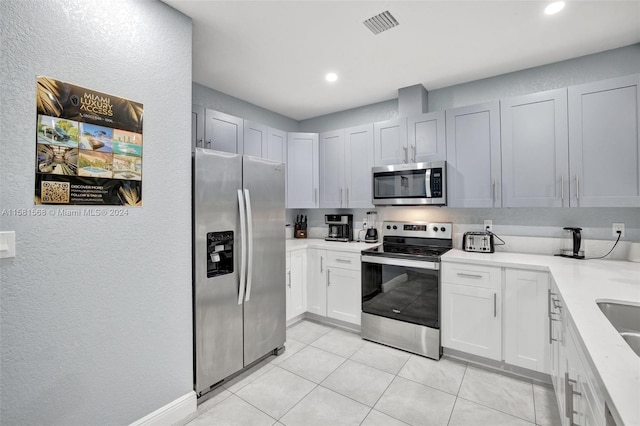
<point x="584" y="401"/>
<point x="471" y="320"/>
<point x="497" y="313"/>
<point x="296" y="283"/>
<point x="333" y="285"/>
<point x="317" y="282"/>
<point x="344" y="294"/>
<point x="525" y="319"/>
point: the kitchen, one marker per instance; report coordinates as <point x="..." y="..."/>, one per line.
<point x="136" y="356"/>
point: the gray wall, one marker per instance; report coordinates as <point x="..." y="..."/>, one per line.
<point x="380" y="111"/>
<point x="599" y="66"/>
<point x="96" y="311"/>
<point x="213" y="99"/>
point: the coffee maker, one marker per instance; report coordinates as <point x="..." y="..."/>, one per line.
<point x="574" y="242"/>
<point x="340" y="227"/>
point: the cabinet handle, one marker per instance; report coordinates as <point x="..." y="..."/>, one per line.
<point x="321" y="267"/>
<point x="328" y="277"/>
<point x="577" y="187"/>
<point x="315" y="196"/>
<point x="571" y="394"/>
<point x="209" y="143"/>
<point x="341" y="197"/>
<point x="347" y="204"/>
<point x="406" y="154"/>
<point x="562" y="187"/>
<point x="495" y="305"/>
<point x="343" y="261"/>
<point x="462" y="274"/>
<point x="289" y="273"/>
<point x="413" y="148"/>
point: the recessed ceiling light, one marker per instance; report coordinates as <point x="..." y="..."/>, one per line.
<point x="554" y="7"/>
<point x="331" y="77"/>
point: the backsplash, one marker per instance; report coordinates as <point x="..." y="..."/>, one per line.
<point x="535" y="230"/>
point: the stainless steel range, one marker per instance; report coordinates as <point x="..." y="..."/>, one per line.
<point x="401" y="286"/>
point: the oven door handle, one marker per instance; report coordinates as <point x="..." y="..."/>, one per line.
<point x="394" y="261"/>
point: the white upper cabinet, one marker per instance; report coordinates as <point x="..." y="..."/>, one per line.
<point x="535" y="150"/>
<point x="223" y="132"/>
<point x="255" y="139"/>
<point x="358" y="162"/>
<point x="276" y="145"/>
<point x="473" y="155"/>
<point x="332" y="169"/>
<point x="346" y="158"/>
<point x="426" y="137"/>
<point x="390" y="142"/>
<point x="603" y="138"/>
<point x="302" y="170"/>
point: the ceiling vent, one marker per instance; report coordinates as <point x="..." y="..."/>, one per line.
<point x="382" y="22"/>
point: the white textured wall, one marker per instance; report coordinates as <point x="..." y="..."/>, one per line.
<point x="96" y="311"/>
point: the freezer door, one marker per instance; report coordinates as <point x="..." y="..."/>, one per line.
<point x="217" y="314"/>
<point x="264" y="306"/>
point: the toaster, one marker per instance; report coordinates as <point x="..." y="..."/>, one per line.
<point x="481" y="242"/>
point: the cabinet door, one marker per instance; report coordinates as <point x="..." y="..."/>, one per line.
<point x="358" y="162"/>
<point x="472" y="320"/>
<point x="332" y="169"/>
<point x="426" y="134"/>
<point x="276" y="145"/>
<point x="526" y="331"/>
<point x="302" y="170"/>
<point x="317" y="282"/>
<point x="535" y="150"/>
<point x="197" y="126"/>
<point x="473" y="156"/>
<point x="344" y="295"/>
<point x="255" y="139"/>
<point x="223" y="132"/>
<point x="390" y="142"/>
<point x="297" y="289"/>
<point x="604" y="151"/>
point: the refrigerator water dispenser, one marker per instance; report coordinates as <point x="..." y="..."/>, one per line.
<point x="219" y="253"/>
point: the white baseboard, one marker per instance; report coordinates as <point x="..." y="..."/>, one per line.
<point x="171" y="413"/>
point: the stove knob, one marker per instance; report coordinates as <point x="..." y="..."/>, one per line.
<point x="443" y="229"/>
<point x="435" y="229"/>
<point x="395" y="227"/>
<point x="388" y="226"/>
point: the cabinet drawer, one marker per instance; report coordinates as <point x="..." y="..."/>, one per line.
<point x="472" y="275"/>
<point x="340" y="259"/>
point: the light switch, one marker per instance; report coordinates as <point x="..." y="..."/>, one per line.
<point x="7" y="244"/>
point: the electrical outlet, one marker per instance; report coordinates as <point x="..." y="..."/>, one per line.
<point x="618" y="227"/>
<point x="488" y="225"/>
<point x="364" y="223"/>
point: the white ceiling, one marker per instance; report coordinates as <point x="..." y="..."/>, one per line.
<point x="275" y="54"/>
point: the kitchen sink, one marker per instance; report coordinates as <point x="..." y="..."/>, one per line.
<point x="626" y="319"/>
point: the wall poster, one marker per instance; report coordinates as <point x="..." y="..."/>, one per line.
<point x="88" y="146"/>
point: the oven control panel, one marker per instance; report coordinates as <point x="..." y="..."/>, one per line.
<point x="418" y="229"/>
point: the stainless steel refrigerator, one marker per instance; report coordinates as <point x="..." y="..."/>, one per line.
<point x="239" y="263"/>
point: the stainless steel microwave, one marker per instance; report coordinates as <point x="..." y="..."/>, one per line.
<point x="410" y="184"/>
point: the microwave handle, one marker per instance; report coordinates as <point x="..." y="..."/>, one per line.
<point x="427" y="182"/>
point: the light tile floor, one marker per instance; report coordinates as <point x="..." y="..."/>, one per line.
<point x="329" y="376"/>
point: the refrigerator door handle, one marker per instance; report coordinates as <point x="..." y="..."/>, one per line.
<point x="249" y="240"/>
<point x="243" y="252"/>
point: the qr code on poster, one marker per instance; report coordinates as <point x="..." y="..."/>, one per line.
<point x="55" y="192"/>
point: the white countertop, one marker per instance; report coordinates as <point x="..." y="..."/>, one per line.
<point x="581" y="284"/>
<point x="301" y="243"/>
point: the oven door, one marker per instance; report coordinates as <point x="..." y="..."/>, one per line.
<point x="401" y="289"/>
